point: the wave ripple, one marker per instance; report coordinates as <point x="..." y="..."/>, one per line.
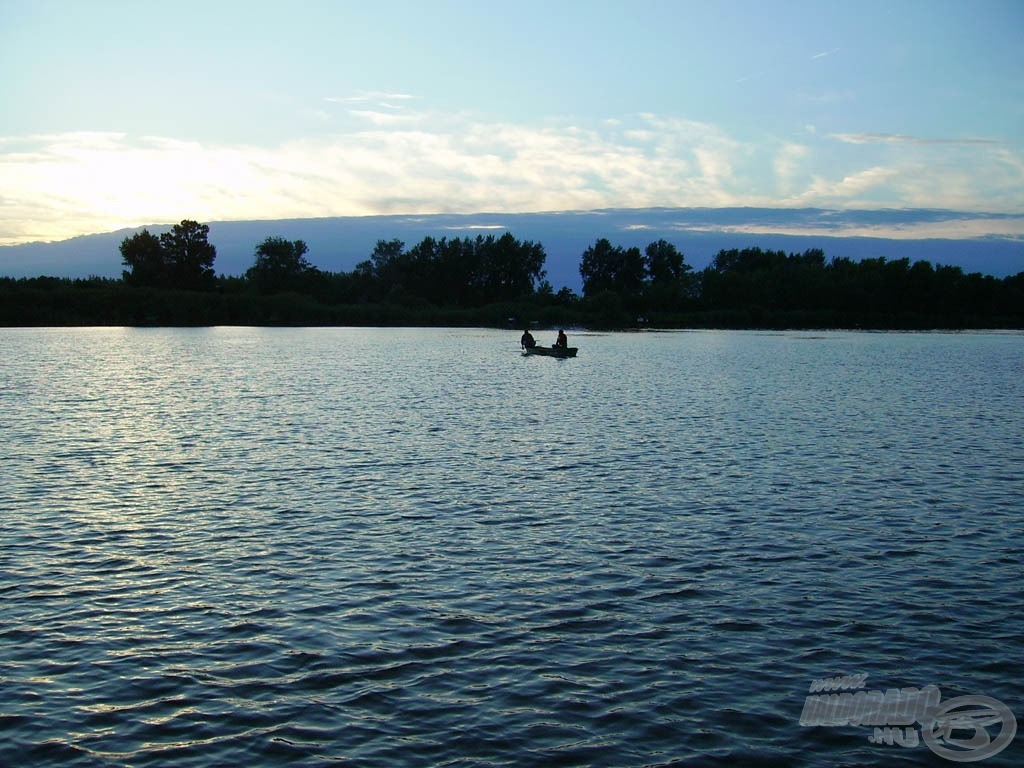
<point x="406" y="548"/>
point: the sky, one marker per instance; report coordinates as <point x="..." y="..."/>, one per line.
<point x="120" y="114"/>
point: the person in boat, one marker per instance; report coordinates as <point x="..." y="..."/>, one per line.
<point x="562" y="341"/>
<point x="527" y="341"/>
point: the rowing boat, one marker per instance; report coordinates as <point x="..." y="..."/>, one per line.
<point x="551" y="351"/>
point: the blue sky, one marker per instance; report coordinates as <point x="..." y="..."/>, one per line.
<point x="119" y="114"/>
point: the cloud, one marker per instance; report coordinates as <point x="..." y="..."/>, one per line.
<point x="897" y="138"/>
<point x="952" y="229"/>
<point x="857" y="183"/>
<point x="60" y="185"/>
<point x="788" y="166"/>
<point x="382" y="118"/>
<point x="824" y="54"/>
<point x="477" y="226"/>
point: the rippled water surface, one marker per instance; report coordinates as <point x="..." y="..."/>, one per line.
<point x="261" y="547"/>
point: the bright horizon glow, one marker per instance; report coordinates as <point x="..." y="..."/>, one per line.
<point x="122" y="115"/>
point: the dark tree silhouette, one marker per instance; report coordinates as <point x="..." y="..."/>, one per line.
<point x="508" y="269"/>
<point x="604" y="267"/>
<point x="189" y="256"/>
<point x="670" y="280"/>
<point x="383" y="271"/>
<point x="144" y="257"/>
<point x="487" y="280"/>
<point x="459" y="272"/>
<point x="280" y="265"/>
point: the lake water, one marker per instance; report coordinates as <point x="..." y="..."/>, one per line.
<point x="371" y="547"/>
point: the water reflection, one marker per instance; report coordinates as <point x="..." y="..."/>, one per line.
<point x="397" y="546"/>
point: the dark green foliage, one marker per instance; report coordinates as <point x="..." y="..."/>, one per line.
<point x="771" y="280"/>
<point x="510" y="269"/>
<point x="671" y="284"/>
<point x="461" y="272"/>
<point x="771" y="288"/>
<point x="182" y="258"/>
<point x="605" y="267"/>
<point x="496" y="281"/>
<point x="144" y="257"/>
<point x="281" y="266"/>
<point x="624" y="287"/>
<point x="189" y="256"/>
<point x="607" y="310"/>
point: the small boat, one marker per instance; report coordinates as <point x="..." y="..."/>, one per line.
<point x="551" y="351"/>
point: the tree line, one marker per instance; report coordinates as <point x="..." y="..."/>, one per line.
<point x="170" y="280"/>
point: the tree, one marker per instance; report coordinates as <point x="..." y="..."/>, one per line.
<point x="670" y="282"/>
<point x="607" y="268"/>
<point x="280" y="265"/>
<point x="383" y="271"/>
<point x="144" y="257"/>
<point x="189" y="256"/>
<point x="508" y="269"/>
<point x="747" y="260"/>
<point x="386" y="256"/>
<point x="665" y="264"/>
<point x="457" y="272"/>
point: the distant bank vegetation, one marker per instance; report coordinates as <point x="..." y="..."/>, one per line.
<point x="498" y="281"/>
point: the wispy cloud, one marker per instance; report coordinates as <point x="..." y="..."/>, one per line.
<point x="824" y="54"/>
<point x="377" y="117"/>
<point x="898" y="138"/>
<point x="61" y="185"/>
<point x="852" y="187"/>
<point x="950" y="229"/>
<point x="787" y="64"/>
<point x="788" y="165"/>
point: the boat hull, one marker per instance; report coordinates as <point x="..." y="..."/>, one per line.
<point x="552" y="351"/>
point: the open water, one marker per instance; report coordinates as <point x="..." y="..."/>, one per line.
<point x="264" y="547"/>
